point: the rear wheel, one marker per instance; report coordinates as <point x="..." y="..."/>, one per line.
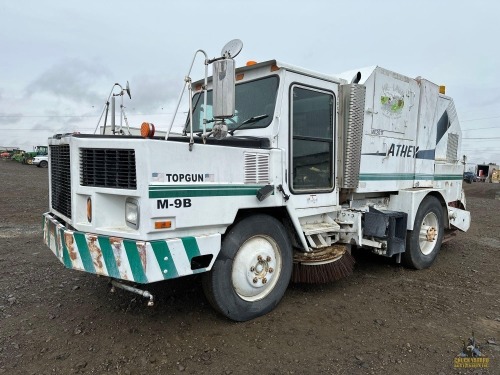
<point x="43" y="164"/>
<point x="424" y="241"/>
<point x="252" y="271"/>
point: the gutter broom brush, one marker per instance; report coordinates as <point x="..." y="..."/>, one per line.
<point x="323" y="266"/>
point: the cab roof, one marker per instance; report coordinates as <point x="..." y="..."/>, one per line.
<point x="283" y="65"/>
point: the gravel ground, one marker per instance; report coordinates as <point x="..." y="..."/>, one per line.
<point x="384" y="319"/>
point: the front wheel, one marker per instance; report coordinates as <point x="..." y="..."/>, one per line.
<point x="424" y="241"/>
<point x="252" y="271"/>
<point x="43" y="164"/>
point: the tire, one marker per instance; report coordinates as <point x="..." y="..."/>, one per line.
<point x="422" y="243"/>
<point x="43" y="164"/>
<point x="252" y="271"/>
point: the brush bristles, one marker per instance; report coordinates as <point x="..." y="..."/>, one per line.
<point x="323" y="273"/>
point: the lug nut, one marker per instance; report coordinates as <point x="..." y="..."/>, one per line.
<point x="268" y="259"/>
<point x="270" y="270"/>
<point x="264" y="280"/>
<point x="255" y="280"/>
<point x="259" y="258"/>
<point x="252" y="269"/>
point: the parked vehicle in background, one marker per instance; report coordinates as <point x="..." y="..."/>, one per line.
<point x="18" y="155"/>
<point x="495" y="176"/>
<point x="485" y="171"/>
<point x="6" y="152"/>
<point x="41" y="161"/>
<point x="470" y="177"/>
<point x="37" y="151"/>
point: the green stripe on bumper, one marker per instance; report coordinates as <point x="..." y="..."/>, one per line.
<point x="83" y="249"/>
<point x="164" y="259"/>
<point x="65" y="252"/>
<point x="135" y="261"/>
<point x="109" y="258"/>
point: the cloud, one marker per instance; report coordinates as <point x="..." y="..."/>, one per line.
<point x="9" y="118"/>
<point x="149" y="93"/>
<point x="71" y="79"/>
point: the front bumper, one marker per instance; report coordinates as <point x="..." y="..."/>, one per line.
<point x="137" y="261"/>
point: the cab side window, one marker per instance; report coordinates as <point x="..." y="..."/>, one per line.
<point x="312" y="139"/>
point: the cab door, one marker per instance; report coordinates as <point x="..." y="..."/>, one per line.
<point x="312" y="127"/>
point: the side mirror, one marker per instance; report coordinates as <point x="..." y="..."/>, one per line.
<point x="223" y="88"/>
<point x="128" y="90"/>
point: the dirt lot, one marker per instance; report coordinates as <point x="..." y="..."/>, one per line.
<point x="384" y="319"/>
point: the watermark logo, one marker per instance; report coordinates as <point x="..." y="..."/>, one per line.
<point x="471" y="356"/>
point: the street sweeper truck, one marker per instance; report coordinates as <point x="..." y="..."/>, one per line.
<point x="278" y="173"/>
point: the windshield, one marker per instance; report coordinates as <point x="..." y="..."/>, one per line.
<point x="255" y="101"/>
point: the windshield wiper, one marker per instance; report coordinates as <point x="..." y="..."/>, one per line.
<point x="249" y="121"/>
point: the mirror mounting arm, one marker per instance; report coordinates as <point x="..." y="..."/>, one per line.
<point x="217" y="59"/>
<point x="184" y="88"/>
<point x="229" y="51"/>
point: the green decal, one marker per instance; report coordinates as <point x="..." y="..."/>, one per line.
<point x="202" y="191"/>
<point x="441" y="177"/>
<point x="406" y="176"/>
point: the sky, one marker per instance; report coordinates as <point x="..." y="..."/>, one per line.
<point x="59" y="59"/>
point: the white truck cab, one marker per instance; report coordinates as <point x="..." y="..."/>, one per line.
<point x="279" y="171"/>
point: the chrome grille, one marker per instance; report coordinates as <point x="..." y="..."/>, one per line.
<point x="108" y="168"/>
<point x="60" y="177"/>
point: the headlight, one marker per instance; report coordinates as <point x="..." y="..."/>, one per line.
<point x="132" y="213"/>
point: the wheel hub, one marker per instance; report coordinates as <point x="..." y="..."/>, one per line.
<point x="431" y="234"/>
<point x="428" y="233"/>
<point x="256" y="268"/>
<point x="261" y="270"/>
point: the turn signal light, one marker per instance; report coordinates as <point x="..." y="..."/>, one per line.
<point x="251" y="62"/>
<point x="147" y="130"/>
<point x="442" y="90"/>
<point x="89" y="209"/>
<point x="163" y="224"/>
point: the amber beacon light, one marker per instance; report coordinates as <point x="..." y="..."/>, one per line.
<point x="147" y="130"/>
